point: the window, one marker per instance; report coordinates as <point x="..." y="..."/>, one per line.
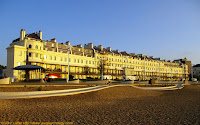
<point x="60" y="58"/>
<point x="19" y="63"/>
<point x="65" y="59"/>
<point x="89" y="62"/>
<point x="36" y="47"/>
<point x="36" y="54"/>
<point x="45" y="56"/>
<point x="29" y="54"/>
<point x="74" y="60"/>
<point x="55" y="58"/>
<point x="30" y="46"/>
<point x="45" y="43"/>
<point x="52" y="45"/>
<point x="20" y="53"/>
<point x="77" y="60"/>
<point x="81" y="61"/>
<point x="50" y="57"/>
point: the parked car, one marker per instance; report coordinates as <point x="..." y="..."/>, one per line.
<point x="50" y="77"/>
<point x="182" y="79"/>
<point x="108" y="77"/>
<point x="194" y="79"/>
<point x="129" y="78"/>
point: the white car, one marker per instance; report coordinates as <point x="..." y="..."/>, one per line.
<point x="194" y="79"/>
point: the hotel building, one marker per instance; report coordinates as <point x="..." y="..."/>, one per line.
<point x="86" y="61"/>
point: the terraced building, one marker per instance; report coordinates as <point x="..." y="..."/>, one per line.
<point x="86" y="61"/>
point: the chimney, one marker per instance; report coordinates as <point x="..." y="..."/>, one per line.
<point x="79" y="45"/>
<point x="100" y="47"/>
<point x="53" y="40"/>
<point x="22" y="34"/>
<point x="109" y="49"/>
<point x="88" y="46"/>
<point x="67" y="43"/>
<point x="40" y="34"/>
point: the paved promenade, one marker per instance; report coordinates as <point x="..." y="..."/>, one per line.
<point x="42" y="94"/>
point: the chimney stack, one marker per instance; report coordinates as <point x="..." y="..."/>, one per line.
<point x="22" y="34"/>
<point x="39" y="34"/>
<point x="53" y="40"/>
<point x="67" y="43"/>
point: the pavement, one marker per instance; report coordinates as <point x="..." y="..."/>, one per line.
<point x="41" y="94"/>
<point x="175" y="87"/>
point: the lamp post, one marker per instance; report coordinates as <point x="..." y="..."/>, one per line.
<point x="102" y="68"/>
<point x="68" y="50"/>
<point x="126" y="67"/>
<point x="144" y="68"/>
<point x="159" y="71"/>
<point x="171" y="72"/>
<point x="192" y="72"/>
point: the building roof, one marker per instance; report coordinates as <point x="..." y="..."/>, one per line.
<point x="33" y="35"/>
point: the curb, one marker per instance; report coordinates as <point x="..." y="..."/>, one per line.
<point x="40" y="94"/>
<point x="179" y="86"/>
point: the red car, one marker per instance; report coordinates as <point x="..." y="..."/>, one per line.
<point x="50" y="77"/>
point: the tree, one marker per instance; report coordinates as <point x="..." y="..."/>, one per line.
<point x="2" y="67"/>
<point x="86" y="70"/>
<point x="102" y="66"/>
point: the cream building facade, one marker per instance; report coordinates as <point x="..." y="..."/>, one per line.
<point x="85" y="61"/>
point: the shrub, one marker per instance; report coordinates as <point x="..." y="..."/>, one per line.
<point x="40" y="88"/>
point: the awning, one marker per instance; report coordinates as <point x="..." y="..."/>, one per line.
<point x="28" y="67"/>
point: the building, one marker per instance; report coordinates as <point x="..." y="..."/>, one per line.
<point x="196" y="71"/>
<point x="85" y="61"/>
<point x="187" y="62"/>
<point x="1" y="74"/>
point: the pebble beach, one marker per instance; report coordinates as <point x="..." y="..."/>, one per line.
<point x="117" y="105"/>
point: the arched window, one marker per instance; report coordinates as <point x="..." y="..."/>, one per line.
<point x="36" y="47"/>
<point x="30" y="46"/>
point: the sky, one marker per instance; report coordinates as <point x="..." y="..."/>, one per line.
<point x="169" y="29"/>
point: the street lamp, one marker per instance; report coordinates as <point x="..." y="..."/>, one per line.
<point x="68" y="50"/>
<point x="144" y="68"/>
<point x="171" y="72"/>
<point x="102" y="68"/>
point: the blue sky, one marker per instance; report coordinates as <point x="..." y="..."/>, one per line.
<point x="169" y="29"/>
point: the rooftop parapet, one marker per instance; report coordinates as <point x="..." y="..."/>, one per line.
<point x="157" y="59"/>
